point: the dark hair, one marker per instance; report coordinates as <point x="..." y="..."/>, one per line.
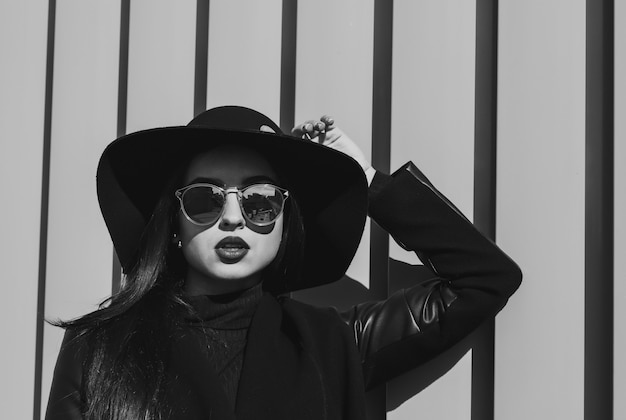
<point x="127" y="340"/>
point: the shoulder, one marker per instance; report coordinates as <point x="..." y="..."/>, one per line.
<point x="316" y="323"/>
<point x="73" y="352"/>
<point x="305" y="310"/>
<point x="324" y="336"/>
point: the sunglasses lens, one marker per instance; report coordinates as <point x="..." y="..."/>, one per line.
<point x="203" y="204"/>
<point x="262" y="204"/>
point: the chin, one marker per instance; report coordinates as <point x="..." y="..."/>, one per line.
<point x="220" y="278"/>
<point x="231" y="273"/>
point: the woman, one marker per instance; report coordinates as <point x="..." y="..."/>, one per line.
<point x="213" y="224"/>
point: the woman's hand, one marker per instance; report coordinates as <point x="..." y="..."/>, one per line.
<point x="324" y="131"/>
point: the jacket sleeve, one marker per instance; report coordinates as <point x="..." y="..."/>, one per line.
<point x="473" y="279"/>
<point x="64" y="402"/>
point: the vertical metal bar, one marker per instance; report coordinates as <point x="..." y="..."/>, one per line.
<point x="485" y="117"/>
<point x="381" y="160"/>
<point x="202" y="56"/>
<point x="288" y="65"/>
<point x="289" y="41"/>
<point x="122" y="108"/>
<point x="381" y="92"/>
<point x="45" y="196"/>
<point x="122" y="90"/>
<point x="485" y="143"/>
<point x="599" y="218"/>
<point x="483" y="372"/>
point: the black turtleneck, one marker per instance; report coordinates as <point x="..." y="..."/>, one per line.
<point x="222" y="322"/>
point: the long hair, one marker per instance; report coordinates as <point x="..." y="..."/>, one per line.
<point x="128" y="339"/>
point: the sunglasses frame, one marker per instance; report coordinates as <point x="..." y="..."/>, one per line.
<point x="225" y="191"/>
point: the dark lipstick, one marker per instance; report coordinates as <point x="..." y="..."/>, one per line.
<point x="231" y="249"/>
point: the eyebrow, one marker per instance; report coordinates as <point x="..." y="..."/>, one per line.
<point x="246" y="181"/>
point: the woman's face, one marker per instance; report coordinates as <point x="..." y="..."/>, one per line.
<point x="230" y="254"/>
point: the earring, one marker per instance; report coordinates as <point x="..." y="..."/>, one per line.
<point x="177" y="242"/>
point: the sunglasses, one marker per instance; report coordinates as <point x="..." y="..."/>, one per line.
<point x="203" y="204"/>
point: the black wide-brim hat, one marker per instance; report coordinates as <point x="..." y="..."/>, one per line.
<point x="329" y="186"/>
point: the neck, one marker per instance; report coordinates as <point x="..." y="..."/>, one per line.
<point x="197" y="284"/>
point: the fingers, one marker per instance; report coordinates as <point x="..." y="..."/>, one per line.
<point x="328" y="121"/>
<point x="325" y="132"/>
<point x="310" y="129"/>
<point x="313" y="128"/>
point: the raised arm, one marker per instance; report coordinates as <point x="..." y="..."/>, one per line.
<point x="472" y="278"/>
<point x="472" y="281"/>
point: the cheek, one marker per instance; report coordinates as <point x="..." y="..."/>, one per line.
<point x="187" y="231"/>
<point x="183" y="229"/>
<point x="196" y="242"/>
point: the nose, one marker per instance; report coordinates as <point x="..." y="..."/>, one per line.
<point x="232" y="218"/>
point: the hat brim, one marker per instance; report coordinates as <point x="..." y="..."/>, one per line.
<point x="329" y="186"/>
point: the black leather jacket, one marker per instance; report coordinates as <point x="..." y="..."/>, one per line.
<point x="472" y="281"/>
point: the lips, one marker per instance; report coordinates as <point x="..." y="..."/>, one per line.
<point x="231" y="249"/>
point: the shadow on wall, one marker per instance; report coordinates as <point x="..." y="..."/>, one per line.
<point x="348" y="292"/>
